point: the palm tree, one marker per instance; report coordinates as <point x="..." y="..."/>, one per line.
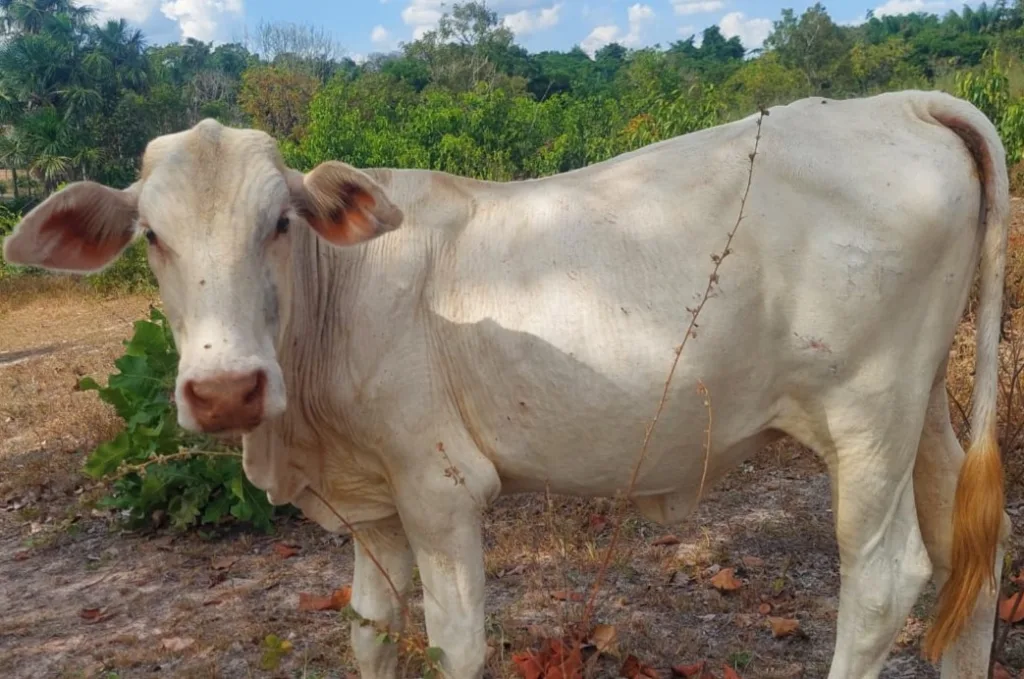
<point x="116" y="53"/>
<point x="34" y="16"/>
<point x="13" y="155"/>
<point x="49" y="141"/>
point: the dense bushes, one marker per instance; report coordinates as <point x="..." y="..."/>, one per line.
<point x="158" y="469"/>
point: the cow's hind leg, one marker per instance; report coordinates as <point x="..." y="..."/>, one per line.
<point x="938" y="463"/>
<point x="373" y="597"/>
<point x="870" y="445"/>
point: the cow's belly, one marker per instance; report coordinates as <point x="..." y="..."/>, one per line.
<point x="560" y="397"/>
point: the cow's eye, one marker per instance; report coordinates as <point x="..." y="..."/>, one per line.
<point x="282" y="225"/>
<point x="151" y="236"/>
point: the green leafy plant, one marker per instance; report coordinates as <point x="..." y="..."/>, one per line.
<point x="274" y="649"/>
<point x="989" y="90"/>
<point x="156" y="466"/>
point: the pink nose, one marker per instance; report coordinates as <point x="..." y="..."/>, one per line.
<point x="228" y="402"/>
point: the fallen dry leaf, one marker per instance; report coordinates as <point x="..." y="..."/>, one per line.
<point x="93" y="615"/>
<point x="634" y="669"/>
<point x="729" y="673"/>
<point x="21" y="555"/>
<point x="556" y="660"/>
<point x="285" y="551"/>
<point x="563" y="595"/>
<point x="784" y="627"/>
<point x="527" y="665"/>
<point x="338" y="599"/>
<point x="665" y="541"/>
<point x="564" y="663"/>
<point x="753" y="562"/>
<point x="1000" y="672"/>
<point x="177" y="644"/>
<point x="1006" y="607"/>
<point x="598" y="522"/>
<point x="222" y="563"/>
<point x="725" y="580"/>
<point x="764" y="609"/>
<point x="605" y="639"/>
<point x="694" y="670"/>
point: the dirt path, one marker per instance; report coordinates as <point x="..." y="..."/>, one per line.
<point x="81" y="599"/>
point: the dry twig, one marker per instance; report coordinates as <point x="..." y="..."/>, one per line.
<point x="690" y="332"/>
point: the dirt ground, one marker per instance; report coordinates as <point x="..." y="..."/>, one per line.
<point x="80" y="597"/>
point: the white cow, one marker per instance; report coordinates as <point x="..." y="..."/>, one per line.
<point x="516" y="336"/>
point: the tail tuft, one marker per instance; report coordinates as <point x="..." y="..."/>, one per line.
<point x="977" y="523"/>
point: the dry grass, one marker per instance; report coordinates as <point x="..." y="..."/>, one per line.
<point x="54" y="331"/>
<point x="57" y="556"/>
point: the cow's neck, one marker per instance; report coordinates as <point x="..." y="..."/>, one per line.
<point x="312" y="334"/>
<point x="329" y="283"/>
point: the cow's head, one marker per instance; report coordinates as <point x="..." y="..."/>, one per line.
<point x="221" y="212"/>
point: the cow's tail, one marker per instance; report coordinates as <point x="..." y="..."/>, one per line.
<point x="978" y="505"/>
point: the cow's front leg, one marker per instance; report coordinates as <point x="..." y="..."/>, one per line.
<point x="451" y="563"/>
<point x="373" y="597"/>
<point x="440" y="500"/>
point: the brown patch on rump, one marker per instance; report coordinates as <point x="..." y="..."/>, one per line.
<point x="974" y="142"/>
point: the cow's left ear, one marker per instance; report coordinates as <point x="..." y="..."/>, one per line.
<point x="80" y="229"/>
<point x="344" y="205"/>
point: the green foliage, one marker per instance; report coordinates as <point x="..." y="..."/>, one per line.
<point x="274" y="649"/>
<point x="201" y="489"/>
<point x="988" y="88"/>
<point x="8" y="220"/>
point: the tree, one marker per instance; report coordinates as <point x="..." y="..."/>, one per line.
<point x="464" y="48"/>
<point x="277" y="100"/>
<point x="814" y="44"/>
<point x="301" y="47"/>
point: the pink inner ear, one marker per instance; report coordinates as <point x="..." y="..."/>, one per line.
<point x="352" y="221"/>
<point x="77" y="248"/>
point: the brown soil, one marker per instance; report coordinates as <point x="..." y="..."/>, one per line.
<point x="83" y="598"/>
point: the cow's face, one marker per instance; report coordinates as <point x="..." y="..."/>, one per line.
<point x="220" y="211"/>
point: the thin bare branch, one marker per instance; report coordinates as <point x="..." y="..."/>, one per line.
<point x="690" y="332"/>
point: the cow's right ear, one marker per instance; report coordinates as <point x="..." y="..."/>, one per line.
<point x="81" y="229"/>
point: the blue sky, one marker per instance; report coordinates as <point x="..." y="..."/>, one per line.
<point x="362" y="27"/>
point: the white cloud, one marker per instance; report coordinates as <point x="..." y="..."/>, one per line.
<point x="525" y="22"/>
<point x="599" y="37"/>
<point x="908" y="6"/>
<point x="380" y="35"/>
<point x="201" y="19"/>
<point x="638" y="15"/>
<point x="687" y="30"/>
<point x="511" y="5"/>
<point x="134" y="11"/>
<point x="207" y="20"/>
<point x="422" y="16"/>
<point x="751" y="32"/>
<point x="685" y="7"/>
